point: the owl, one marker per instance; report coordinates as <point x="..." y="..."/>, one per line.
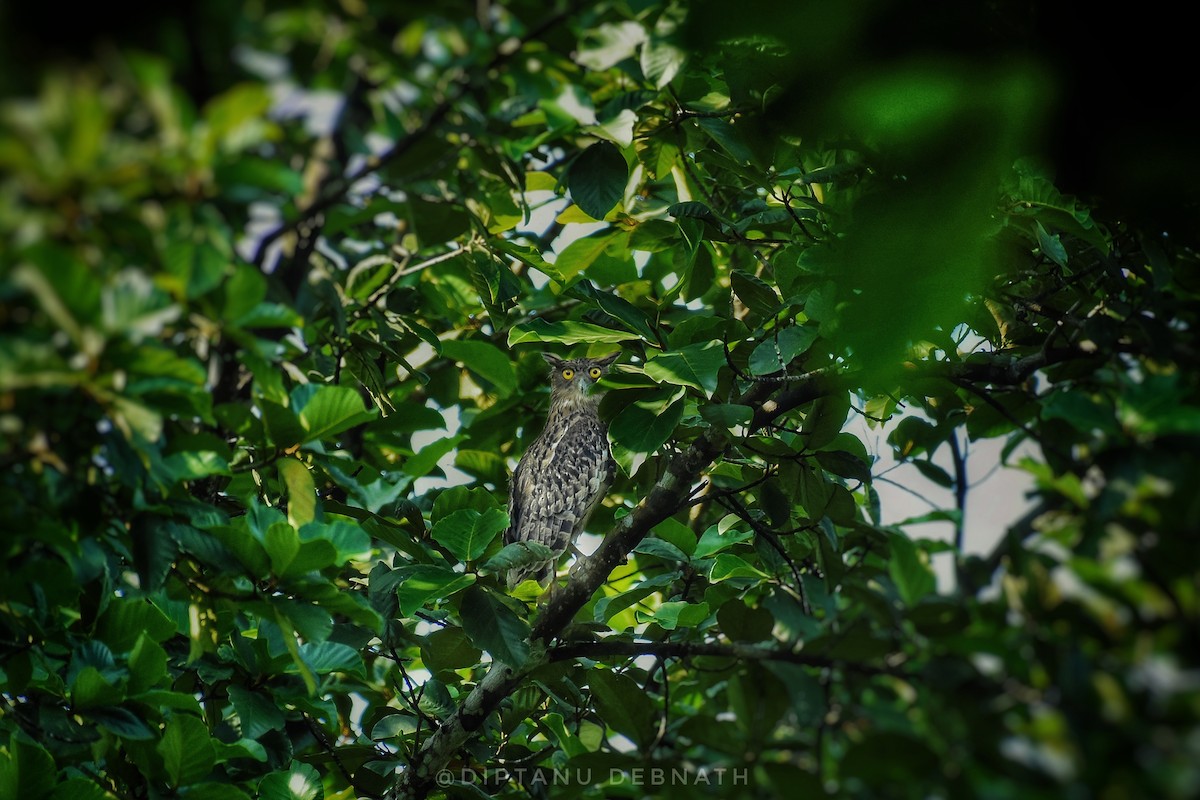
<point x="567" y="470"/>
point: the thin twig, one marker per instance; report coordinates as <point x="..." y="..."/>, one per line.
<point x="771" y="539"/>
<point x="624" y="648"/>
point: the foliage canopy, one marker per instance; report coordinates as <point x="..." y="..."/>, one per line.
<point x="264" y="287"/>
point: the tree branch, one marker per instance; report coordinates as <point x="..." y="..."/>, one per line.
<point x="668" y="495"/>
<point x="671" y="493"/>
<point x="736" y="650"/>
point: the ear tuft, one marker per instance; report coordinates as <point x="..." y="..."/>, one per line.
<point x="552" y="359"/>
<point x="607" y="360"/>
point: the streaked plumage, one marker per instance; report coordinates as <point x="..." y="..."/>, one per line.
<point x="567" y="470"/>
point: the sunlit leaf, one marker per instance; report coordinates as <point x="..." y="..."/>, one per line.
<point x="696" y="365"/>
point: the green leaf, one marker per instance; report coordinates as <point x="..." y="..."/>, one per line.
<point x="609" y="43"/>
<point x="661" y="61"/>
<point x="197" y="267"/>
<point x="485" y="360"/>
<point x="696" y="365"/>
<point x="467" y="533"/>
<point x="677" y="533"/>
<point x="494" y="627"/>
<point x="597" y="179"/>
<point x="325" y="657"/>
<point x="680" y="614"/>
<point x="618" y="129"/>
<point x="608" y="607"/>
<point x="1080" y="410"/>
<point x="1051" y="245"/>
<point x="186" y="750"/>
<point x="720" y="536"/>
<point x="741" y="623"/>
<point x="71" y="789"/>
<point x="426" y="461"/>
<point x="223" y="791"/>
<point x="579" y="254"/>
<point x="302" y="492"/>
<point x="459" y="497"/>
<point x="282" y="544"/>
<point x="122" y="722"/>
<point x="908" y="570"/>
<point x="692" y="209"/>
<point x="299" y="782"/>
<point x="283" y="426"/>
<point x="775" y="353"/>
<point x="726" y="415"/>
<point x="256" y="712"/>
<point x="423" y="583"/>
<point x="759" y="296"/>
<point x="565" y="332"/>
<point x="824" y="422"/>
<point x="726" y="566"/>
<point x="517" y="554"/>
<point x="847" y="465"/>
<point x="661" y="548"/>
<point x="311" y="621"/>
<point x="529" y="256"/>
<point x="623" y="705"/>
<point x="644" y="426"/>
<point x="568" y="742"/>
<point x="26" y="769"/>
<point x="147" y="664"/>
<point x="725" y="135"/>
<point x="154" y="550"/>
<point x="933" y="472"/>
<point x="125" y="619"/>
<point x="448" y="649"/>
<point x="331" y="410"/>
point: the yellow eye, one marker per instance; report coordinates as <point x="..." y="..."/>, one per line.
<point x="595" y="373"/>
<point x="568" y="374"/>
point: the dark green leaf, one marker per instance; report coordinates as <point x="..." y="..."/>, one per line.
<point x="494" y="627"/>
<point x="756" y="294"/>
<point x="256" y="712"/>
<point x="186" y="750"/>
<point x="26" y="769"/>
<point x="910" y="572"/>
<point x="623" y="705"/>
<point x="824" y="422"/>
<point x="424" y="583"/>
<point x="644" y="426"/>
<point x="776" y="352"/>
<point x="597" y="179"/>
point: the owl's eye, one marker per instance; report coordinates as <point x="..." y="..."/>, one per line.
<point x="595" y="373"/>
<point x="568" y="374"/>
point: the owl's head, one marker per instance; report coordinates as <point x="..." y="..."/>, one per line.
<point x="577" y="375"/>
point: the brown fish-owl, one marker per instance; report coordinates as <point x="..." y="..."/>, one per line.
<point x="567" y="470"/>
